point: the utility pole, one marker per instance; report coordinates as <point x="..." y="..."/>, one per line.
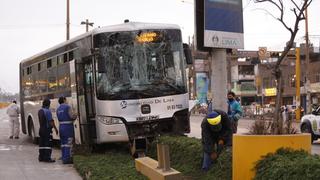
<point x="307" y="84"/>
<point x="298" y="73"/>
<point x="68" y="21"/>
<point x="87" y="23"/>
<point x="219" y="84"/>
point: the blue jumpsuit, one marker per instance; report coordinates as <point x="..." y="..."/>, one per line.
<point x="45" y="133"/>
<point x="66" y="132"/>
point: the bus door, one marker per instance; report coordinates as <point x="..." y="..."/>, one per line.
<point x="74" y="102"/>
<point x="85" y="91"/>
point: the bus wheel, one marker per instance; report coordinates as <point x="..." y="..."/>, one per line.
<point x="32" y="133"/>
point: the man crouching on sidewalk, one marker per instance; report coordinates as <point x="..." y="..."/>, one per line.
<point x="216" y="132"/>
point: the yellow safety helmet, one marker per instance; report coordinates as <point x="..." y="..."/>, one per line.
<point x="214" y="118"/>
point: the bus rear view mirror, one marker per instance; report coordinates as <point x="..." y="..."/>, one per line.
<point x="187" y="53"/>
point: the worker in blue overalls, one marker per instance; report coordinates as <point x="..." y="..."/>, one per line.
<point x="45" y="132"/>
<point x="66" y="130"/>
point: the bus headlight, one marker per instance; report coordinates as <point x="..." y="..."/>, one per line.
<point x="109" y="120"/>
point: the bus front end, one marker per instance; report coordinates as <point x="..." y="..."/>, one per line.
<point x="141" y="85"/>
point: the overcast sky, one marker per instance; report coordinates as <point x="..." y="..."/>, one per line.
<point x="28" y="27"/>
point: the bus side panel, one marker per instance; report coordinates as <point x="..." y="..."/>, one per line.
<point x="31" y="109"/>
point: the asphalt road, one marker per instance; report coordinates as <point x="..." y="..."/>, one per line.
<point x="19" y="159"/>
<point x="243" y="127"/>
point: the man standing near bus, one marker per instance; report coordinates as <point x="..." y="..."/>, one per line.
<point x="234" y="111"/>
<point x="66" y="119"/>
<point x="13" y="112"/>
<point x="45" y="132"/>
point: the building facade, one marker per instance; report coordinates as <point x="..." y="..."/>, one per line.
<point x="250" y="76"/>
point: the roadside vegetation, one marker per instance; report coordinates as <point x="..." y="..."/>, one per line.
<point x="115" y="162"/>
<point x="109" y="165"/>
<point x="185" y="155"/>
<point x="288" y="164"/>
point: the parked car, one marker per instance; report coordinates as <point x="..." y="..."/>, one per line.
<point x="310" y="123"/>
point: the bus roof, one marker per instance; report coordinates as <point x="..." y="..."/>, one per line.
<point x="129" y="26"/>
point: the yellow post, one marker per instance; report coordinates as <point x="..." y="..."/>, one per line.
<point x="298" y="69"/>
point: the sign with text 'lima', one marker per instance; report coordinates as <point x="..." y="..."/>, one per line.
<point x="223" y="24"/>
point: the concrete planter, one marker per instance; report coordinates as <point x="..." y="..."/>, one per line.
<point x="248" y="149"/>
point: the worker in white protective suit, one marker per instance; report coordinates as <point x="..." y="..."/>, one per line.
<point x="13" y="112"/>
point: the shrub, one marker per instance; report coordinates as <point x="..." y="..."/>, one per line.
<point x="288" y="164"/>
<point x="110" y="165"/>
<point x="185" y="156"/>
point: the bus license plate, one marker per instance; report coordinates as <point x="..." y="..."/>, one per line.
<point x="147" y="118"/>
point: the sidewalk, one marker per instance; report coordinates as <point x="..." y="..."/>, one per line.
<point x="19" y="159"/>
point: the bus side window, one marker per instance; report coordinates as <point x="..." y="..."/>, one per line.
<point x="65" y="57"/>
<point x="34" y="77"/>
<point x="36" y="80"/>
<point x="27" y="82"/>
<point x="49" y="63"/>
<point x="70" y="56"/>
<point x="42" y="81"/>
<point x="60" y="59"/>
<point x="52" y="80"/>
<point x="89" y="89"/>
<point x="64" y="76"/>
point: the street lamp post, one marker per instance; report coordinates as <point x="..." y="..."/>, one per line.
<point x="87" y="23"/>
<point x="298" y="74"/>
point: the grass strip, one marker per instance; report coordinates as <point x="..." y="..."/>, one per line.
<point x="185" y="156"/>
<point x="110" y="165"/>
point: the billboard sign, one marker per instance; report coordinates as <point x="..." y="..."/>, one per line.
<point x="270" y="92"/>
<point x="223" y="24"/>
<point x="202" y="85"/>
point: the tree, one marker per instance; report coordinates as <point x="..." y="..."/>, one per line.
<point x="298" y="8"/>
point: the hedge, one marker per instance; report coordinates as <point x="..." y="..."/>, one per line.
<point x="110" y="165"/>
<point x="185" y="156"/>
<point x="288" y="164"/>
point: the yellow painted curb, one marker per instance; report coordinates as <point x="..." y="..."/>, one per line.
<point x="248" y="149"/>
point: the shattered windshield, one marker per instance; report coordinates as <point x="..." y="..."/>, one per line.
<point x="139" y="64"/>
